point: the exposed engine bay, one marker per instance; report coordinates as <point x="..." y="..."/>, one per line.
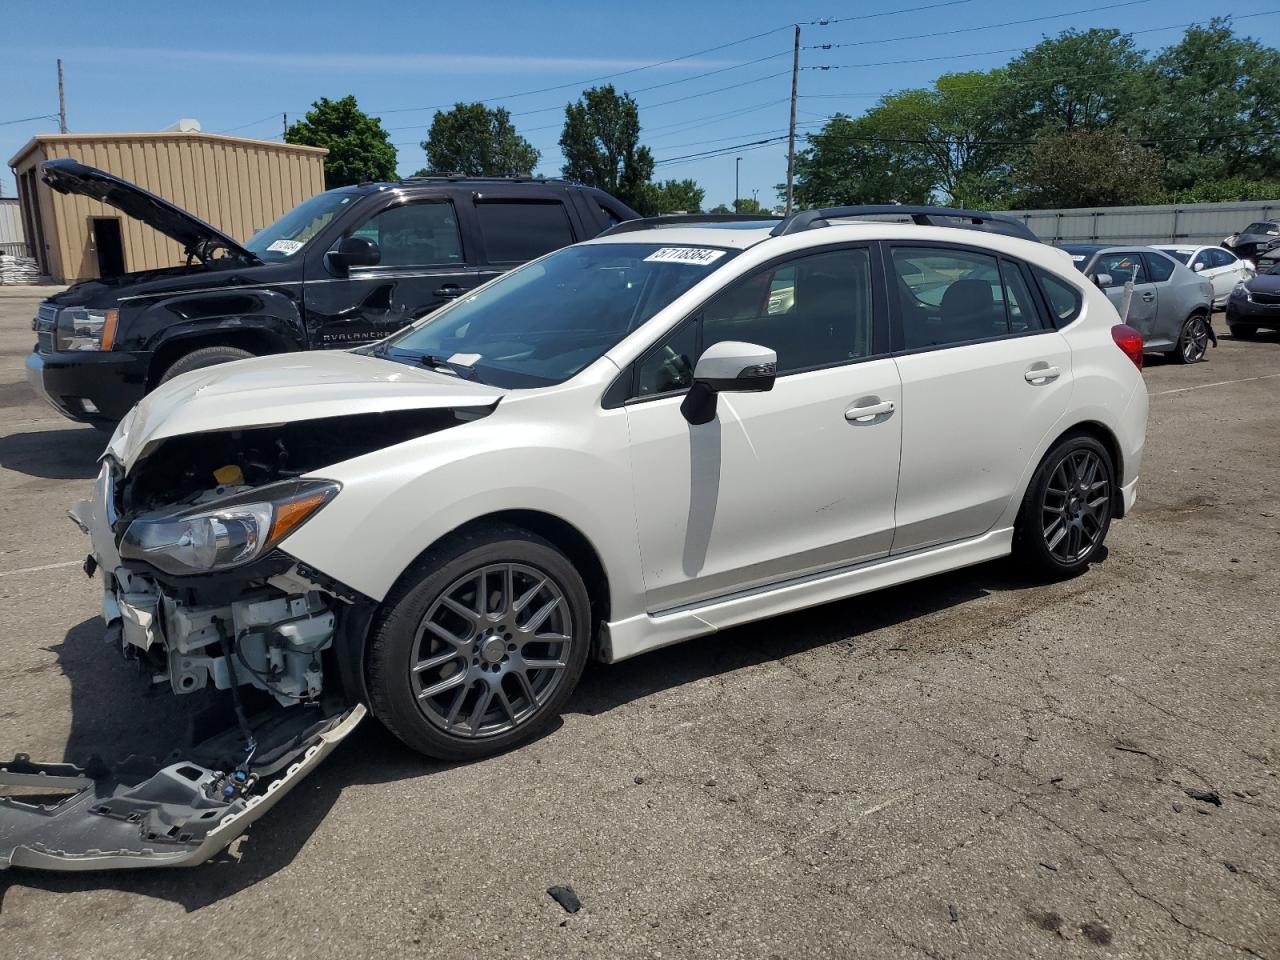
<point x="195" y="589"/>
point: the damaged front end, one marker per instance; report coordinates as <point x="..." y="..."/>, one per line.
<point x="196" y="588"/>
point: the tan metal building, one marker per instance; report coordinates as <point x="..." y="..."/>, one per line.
<point x="237" y="185"/>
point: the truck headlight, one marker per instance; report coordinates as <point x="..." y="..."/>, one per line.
<point x="225" y="533"/>
<point x="81" y="328"/>
<point x="1240" y="292"/>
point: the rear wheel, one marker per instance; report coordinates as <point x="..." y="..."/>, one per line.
<point x="481" y="645"/>
<point x="204" y="357"/>
<point x="1066" y="511"/>
<point x="1193" y="342"/>
<point x="1242" y="331"/>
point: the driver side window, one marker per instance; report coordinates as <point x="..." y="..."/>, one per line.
<point x="418" y="234"/>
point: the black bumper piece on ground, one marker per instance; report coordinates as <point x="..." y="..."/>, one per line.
<point x="177" y="816"/>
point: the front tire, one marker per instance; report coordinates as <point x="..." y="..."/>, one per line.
<point x="204" y="357"/>
<point x="480" y="645"/>
<point x="1066" y="511"/>
<point x="1193" y="341"/>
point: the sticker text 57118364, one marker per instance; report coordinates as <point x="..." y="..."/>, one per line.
<point x="699" y="256"/>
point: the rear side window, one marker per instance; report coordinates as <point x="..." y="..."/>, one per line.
<point x="1160" y="268"/>
<point x="1063" y="298"/>
<point x="1220" y="258"/>
<point x="516" y="232"/>
<point x="951" y="296"/>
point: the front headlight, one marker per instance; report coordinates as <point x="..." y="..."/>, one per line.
<point x="1240" y="291"/>
<point x="225" y="533"/>
<point x="82" y="328"/>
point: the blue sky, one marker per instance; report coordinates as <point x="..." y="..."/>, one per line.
<point x="142" y="65"/>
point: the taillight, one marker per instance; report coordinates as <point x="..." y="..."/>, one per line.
<point x="1130" y="341"/>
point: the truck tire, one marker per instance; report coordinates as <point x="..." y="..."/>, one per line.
<point x="204" y="357"/>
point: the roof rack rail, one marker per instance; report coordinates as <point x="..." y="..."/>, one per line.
<point x="513" y="178"/>
<point x="1001" y="223"/>
<point x="686" y="219"/>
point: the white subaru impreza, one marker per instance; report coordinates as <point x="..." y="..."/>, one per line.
<point x="657" y="434"/>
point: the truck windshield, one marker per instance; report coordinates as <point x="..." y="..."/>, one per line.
<point x="288" y="235"/>
<point x="542" y="323"/>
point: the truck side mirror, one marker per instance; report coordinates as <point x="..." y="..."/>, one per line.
<point x="353" y="252"/>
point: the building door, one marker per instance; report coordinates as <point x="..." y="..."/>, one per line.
<point x="109" y="246"/>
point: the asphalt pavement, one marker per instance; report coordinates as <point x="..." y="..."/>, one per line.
<point x="972" y="766"/>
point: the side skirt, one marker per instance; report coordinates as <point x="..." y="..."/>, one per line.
<point x="649" y="631"/>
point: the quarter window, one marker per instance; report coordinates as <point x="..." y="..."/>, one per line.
<point x="1063" y="298"/>
<point x="415" y="235"/>
<point x="1160" y="267"/>
<point x="516" y="232"/>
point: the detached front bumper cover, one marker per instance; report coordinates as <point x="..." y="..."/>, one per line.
<point x="178" y="816"/>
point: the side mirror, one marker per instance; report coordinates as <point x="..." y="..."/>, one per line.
<point x="353" y="252"/>
<point x="728" y="367"/>
<point x="1103" y="280"/>
<point x="1199" y="265"/>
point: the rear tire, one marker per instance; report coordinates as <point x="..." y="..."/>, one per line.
<point x="1066" y="511"/>
<point x="1193" y="341"/>
<point x="1242" y="331"/>
<point x="498" y="623"/>
<point x="204" y="357"/>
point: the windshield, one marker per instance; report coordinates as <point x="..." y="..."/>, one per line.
<point x="542" y="323"/>
<point x="1261" y="228"/>
<point x="290" y="233"/>
<point x="1182" y="256"/>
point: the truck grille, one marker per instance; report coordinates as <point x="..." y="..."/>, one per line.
<point x="46" y="320"/>
<point x="1268" y="298"/>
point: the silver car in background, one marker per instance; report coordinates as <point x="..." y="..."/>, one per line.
<point x="1170" y="305"/>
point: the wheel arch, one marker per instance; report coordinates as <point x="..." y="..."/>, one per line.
<point x="1105" y="436"/>
<point x="557" y="531"/>
<point x="256" y="340"/>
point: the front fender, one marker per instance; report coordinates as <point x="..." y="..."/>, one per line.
<point x="271" y="313"/>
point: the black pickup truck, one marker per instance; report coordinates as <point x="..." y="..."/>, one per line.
<point x="349" y="266"/>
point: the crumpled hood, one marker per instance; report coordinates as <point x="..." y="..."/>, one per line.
<point x="285" y="388"/>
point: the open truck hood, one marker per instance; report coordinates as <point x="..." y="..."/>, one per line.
<point x="286" y="388"/>
<point x="73" y="177"/>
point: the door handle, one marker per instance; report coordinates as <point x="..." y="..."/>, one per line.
<point x="866" y="412"/>
<point x="1148" y="296"/>
<point x="1041" y="374"/>
<point x="448" y="291"/>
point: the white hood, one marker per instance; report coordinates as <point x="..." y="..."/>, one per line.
<point x="282" y="389"/>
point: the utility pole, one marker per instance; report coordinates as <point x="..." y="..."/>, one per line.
<point x="791" y="138"/>
<point x="62" y="102"/>
<point x="284" y="120"/>
<point x="737" y="170"/>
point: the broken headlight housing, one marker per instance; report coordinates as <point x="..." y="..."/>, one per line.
<point x="79" y="328"/>
<point x="225" y="533"/>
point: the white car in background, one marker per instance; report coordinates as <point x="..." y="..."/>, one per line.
<point x="670" y="430"/>
<point x="1222" y="267"/>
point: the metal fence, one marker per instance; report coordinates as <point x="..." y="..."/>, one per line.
<point x="1189" y="223"/>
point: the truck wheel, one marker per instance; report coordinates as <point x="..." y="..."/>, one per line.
<point x="1242" y="331"/>
<point x="480" y="645"/>
<point x="204" y="357"/>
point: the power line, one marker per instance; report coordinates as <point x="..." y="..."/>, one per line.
<point x="42" y="116"/>
<point x="989" y="26"/>
<point x="826" y="21"/>
<point x="252" y="123"/>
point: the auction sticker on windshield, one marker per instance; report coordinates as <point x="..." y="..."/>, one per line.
<point x="287" y="247"/>
<point x="699" y="256"/>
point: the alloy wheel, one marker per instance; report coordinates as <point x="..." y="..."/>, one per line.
<point x="491" y="650"/>
<point x="1195" y="340"/>
<point x="1077" y="506"/>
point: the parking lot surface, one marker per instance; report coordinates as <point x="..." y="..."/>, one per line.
<point x="968" y="766"/>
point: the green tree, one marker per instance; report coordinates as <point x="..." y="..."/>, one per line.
<point x="359" y="149"/>
<point x="720" y="209"/>
<point x="601" y="144"/>
<point x="1214" y="106"/>
<point x="670" y="196"/>
<point x="1089" y="168"/>
<point x="749" y="206"/>
<point x="471" y="139"/>
<point x="1078" y="80"/>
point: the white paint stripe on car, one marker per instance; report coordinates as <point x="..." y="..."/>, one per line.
<point x="45" y="566"/>
<point x="1220" y="383"/>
